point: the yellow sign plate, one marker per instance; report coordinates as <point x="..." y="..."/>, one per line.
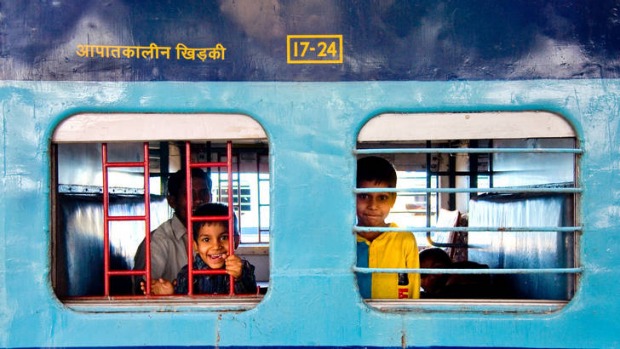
<point x="314" y="49"/>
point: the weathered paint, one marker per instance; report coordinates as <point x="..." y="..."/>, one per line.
<point x="381" y="40"/>
<point x="401" y="56"/>
<point x="312" y="298"/>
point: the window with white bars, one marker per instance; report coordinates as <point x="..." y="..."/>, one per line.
<point x="496" y="193"/>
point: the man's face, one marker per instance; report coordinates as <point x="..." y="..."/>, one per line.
<point x="200" y="195"/>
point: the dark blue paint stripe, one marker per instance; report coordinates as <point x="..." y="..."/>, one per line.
<point x="402" y="40"/>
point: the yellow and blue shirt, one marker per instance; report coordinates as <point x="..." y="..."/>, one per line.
<point x="388" y="250"/>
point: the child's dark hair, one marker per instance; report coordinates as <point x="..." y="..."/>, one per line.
<point x="213" y="210"/>
<point x="176" y="181"/>
<point x="376" y="169"/>
<point x="436" y="256"/>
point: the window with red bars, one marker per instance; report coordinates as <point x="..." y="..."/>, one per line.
<point x="110" y="198"/>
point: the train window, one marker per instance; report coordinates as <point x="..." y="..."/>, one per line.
<point x="491" y="199"/>
<point x="113" y="178"/>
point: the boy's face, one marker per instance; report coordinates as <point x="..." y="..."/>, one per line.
<point x="432" y="283"/>
<point x="373" y="208"/>
<point x="212" y="244"/>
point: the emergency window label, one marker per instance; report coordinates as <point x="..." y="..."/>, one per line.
<point x="314" y="49"/>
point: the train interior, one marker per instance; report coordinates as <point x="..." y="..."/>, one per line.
<point x="504" y="201"/>
<point x="492" y="195"/>
<point x="79" y="243"/>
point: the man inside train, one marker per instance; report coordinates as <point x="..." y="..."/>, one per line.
<point x="383" y="249"/>
<point x="169" y="240"/>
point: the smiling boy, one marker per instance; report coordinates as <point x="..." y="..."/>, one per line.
<point x="169" y="241"/>
<point x="383" y="249"/>
<point x="212" y="253"/>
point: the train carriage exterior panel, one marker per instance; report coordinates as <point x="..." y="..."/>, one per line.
<point x="405" y="57"/>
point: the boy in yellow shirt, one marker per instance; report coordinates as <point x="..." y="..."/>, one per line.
<point x="383" y="249"/>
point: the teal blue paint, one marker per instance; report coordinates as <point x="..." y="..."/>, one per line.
<point x="312" y="128"/>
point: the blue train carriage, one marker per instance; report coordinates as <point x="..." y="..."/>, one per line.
<point x="501" y="119"/>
